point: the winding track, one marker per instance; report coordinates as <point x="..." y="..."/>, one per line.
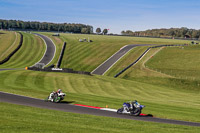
<point x="50" y="50"/>
<point x="27" y="101"/>
<point x="105" y="66"/>
<point x="48" y="56"/>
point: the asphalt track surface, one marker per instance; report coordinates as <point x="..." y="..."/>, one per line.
<point x="66" y="107"/>
<point x="105" y="66"/>
<point x="50" y="50"/>
<point x="4" y="69"/>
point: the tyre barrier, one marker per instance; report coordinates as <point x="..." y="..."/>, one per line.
<point x="63" y="70"/>
<point x="143" y="55"/>
<point x="11" y="54"/>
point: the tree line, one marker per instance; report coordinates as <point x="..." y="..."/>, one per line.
<point x="172" y="32"/>
<point x="45" y="26"/>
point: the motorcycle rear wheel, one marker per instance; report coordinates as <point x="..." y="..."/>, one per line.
<point x="136" y="113"/>
<point x="46" y="99"/>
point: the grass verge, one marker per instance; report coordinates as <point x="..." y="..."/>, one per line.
<point x="161" y="101"/>
<point x="9" y="41"/>
<point x="32" y="50"/>
<point x="17" y="118"/>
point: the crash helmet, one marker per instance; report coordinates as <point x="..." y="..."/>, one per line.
<point x="59" y="90"/>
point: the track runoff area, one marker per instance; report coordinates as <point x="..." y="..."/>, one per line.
<point x="84" y="109"/>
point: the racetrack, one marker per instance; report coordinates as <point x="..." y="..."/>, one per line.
<point x="50" y="50"/>
<point x="27" y="101"/>
<point x="105" y="66"/>
<point x="3" y="69"/>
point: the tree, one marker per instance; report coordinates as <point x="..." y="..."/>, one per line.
<point x="86" y="30"/>
<point x="34" y="25"/>
<point x="123" y="32"/>
<point x="105" y="31"/>
<point x="98" y="30"/>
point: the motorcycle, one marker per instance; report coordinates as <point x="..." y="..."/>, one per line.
<point x="132" y="108"/>
<point x="57" y="97"/>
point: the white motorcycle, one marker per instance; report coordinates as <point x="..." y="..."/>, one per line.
<point x="56" y="97"/>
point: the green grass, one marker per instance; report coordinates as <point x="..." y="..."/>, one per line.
<point x="142" y="73"/>
<point x="32" y="50"/>
<point x="161" y="101"/>
<point x="86" y="56"/>
<point x="58" y="43"/>
<point x="8" y="43"/>
<point x="17" y="118"/>
<point x="126" y="60"/>
<point x="165" y="95"/>
<point x="181" y="62"/>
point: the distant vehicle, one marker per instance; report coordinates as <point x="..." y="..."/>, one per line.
<point x="56" y="34"/>
<point x="132" y="108"/>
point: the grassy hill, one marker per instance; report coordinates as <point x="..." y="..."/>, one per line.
<point x="158" y="81"/>
<point x="86" y="56"/>
<point x="181" y="62"/>
<point x="8" y="43"/>
<point x="161" y="101"/>
<point x="32" y="50"/>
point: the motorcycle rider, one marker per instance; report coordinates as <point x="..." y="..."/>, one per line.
<point x="132" y="104"/>
<point x="59" y="91"/>
<point x="51" y="96"/>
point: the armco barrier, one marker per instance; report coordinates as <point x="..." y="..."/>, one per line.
<point x="61" y="55"/>
<point x="142" y="56"/>
<point x="64" y="70"/>
<point x="11" y="54"/>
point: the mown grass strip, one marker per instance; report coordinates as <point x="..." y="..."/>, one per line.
<point x="162" y="101"/>
<point x="17" y="118"/>
<point x="84" y="56"/>
<point x="31" y="52"/>
<point x="9" y="41"/>
<point x="181" y="62"/>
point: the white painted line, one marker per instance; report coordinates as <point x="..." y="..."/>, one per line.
<point x="142" y="57"/>
<point x="109" y="58"/>
<point x="54" y="51"/>
<point x="117" y="60"/>
<point x="44" y="52"/>
<point x="108" y="109"/>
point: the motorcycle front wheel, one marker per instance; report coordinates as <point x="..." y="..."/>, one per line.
<point x="119" y="111"/>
